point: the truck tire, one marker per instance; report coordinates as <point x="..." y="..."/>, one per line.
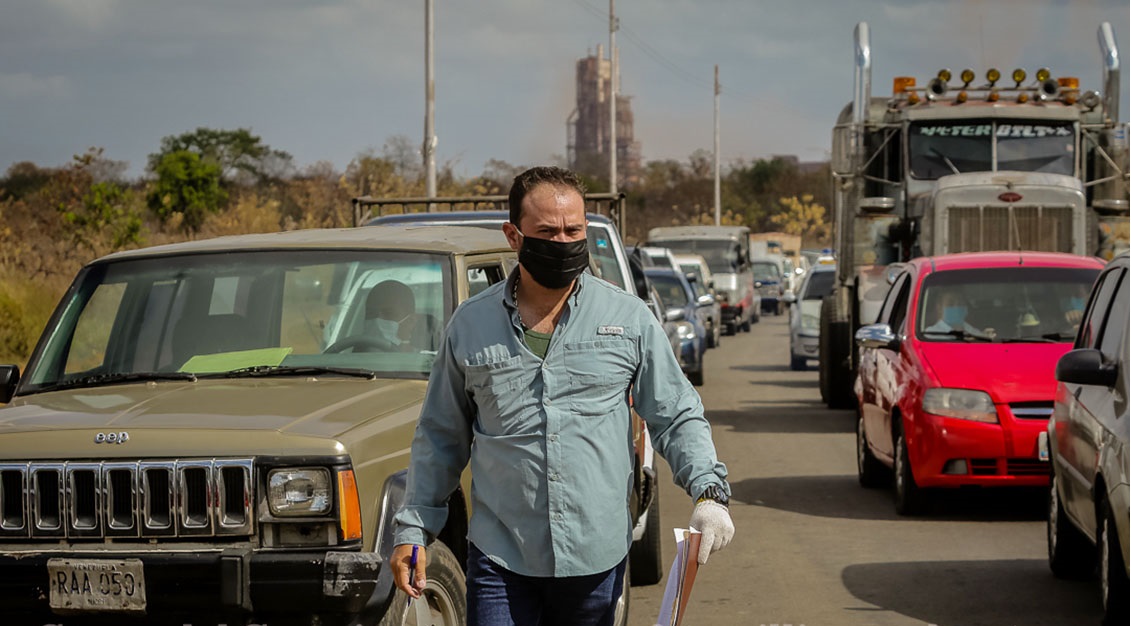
<point x="445" y="592"/>
<point x="644" y="557"/>
<point x="835" y="350"/>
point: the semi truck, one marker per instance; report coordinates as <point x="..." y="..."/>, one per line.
<point x="965" y="163"/>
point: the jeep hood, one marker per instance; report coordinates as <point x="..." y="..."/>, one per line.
<point x="245" y="416"/>
<point x="1009" y="372"/>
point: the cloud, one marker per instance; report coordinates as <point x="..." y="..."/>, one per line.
<point x="90" y="14"/>
<point x="25" y="86"/>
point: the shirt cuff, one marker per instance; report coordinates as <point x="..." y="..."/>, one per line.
<point x="409" y="534"/>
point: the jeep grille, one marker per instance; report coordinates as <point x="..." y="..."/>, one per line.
<point x="174" y="498"/>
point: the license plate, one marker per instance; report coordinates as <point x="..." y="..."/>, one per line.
<point x="96" y="585"/>
<point x="1043" y="445"/>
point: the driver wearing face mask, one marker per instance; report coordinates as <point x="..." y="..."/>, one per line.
<point x="951" y="311"/>
<point x="390" y="313"/>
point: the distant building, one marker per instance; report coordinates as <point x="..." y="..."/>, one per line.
<point x="587" y="129"/>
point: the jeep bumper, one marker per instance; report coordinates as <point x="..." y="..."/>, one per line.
<point x="205" y="586"/>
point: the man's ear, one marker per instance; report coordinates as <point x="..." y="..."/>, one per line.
<point x="514" y="238"/>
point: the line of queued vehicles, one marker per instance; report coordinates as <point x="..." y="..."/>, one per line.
<point x="977" y="318"/>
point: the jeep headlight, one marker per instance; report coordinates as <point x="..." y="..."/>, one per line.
<point x="966" y="404"/>
<point x="685" y="330"/>
<point x="299" y="491"/>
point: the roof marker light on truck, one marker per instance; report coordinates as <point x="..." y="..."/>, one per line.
<point x="993" y="75"/>
<point x="902" y="84"/>
<point x="967" y="77"/>
<point x="1043" y="74"/>
<point x="1019" y="76"/>
<point x="944" y="75"/>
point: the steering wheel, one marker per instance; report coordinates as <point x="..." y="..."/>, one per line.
<point x="365" y="342"/>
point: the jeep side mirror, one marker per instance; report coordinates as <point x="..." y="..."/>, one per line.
<point x="706" y="300"/>
<point x="675" y="315"/>
<point x="9" y="378"/>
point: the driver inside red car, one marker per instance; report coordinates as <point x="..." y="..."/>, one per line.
<point x="950" y="312"/>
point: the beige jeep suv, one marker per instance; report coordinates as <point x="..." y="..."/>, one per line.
<point x="218" y="431"/>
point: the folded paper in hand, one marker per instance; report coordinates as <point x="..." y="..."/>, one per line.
<point x="681" y="577"/>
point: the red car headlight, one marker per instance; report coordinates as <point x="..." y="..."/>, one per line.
<point x="966" y="404"/>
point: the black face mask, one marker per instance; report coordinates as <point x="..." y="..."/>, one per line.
<point x="553" y="264"/>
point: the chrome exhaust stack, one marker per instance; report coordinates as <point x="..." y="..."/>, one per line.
<point x="1110" y="52"/>
<point x="863" y="75"/>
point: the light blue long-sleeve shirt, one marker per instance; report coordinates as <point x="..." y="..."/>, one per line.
<point x="549" y="441"/>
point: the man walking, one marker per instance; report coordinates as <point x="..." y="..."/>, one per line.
<point x="531" y="385"/>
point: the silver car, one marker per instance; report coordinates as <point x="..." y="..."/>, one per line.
<point x="1088" y="449"/>
<point x="805" y="315"/>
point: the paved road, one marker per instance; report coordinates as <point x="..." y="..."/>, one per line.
<point x="813" y="548"/>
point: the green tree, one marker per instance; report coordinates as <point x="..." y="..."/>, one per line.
<point x="240" y="156"/>
<point x="22" y="179"/>
<point x="187" y="190"/>
<point x="107" y="211"/>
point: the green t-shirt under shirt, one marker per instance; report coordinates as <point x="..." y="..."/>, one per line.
<point x="537" y="342"/>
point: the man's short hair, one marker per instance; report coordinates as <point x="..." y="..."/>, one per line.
<point x="557" y="176"/>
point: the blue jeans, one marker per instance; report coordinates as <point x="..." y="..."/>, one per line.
<point x="499" y="597"/>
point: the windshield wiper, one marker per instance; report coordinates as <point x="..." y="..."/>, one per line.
<point x="95" y="380"/>
<point x="960" y="334"/>
<point x="945" y="159"/>
<point x="303" y="370"/>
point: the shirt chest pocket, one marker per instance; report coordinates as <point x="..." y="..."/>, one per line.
<point x="498" y="391"/>
<point x="600" y="372"/>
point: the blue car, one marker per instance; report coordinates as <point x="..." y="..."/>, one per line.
<point x="683" y="319"/>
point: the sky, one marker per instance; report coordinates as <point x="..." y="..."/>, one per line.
<point x="327" y="80"/>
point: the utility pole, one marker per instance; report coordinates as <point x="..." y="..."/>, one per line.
<point x="429" y="147"/>
<point x="718" y="188"/>
<point x="612" y="98"/>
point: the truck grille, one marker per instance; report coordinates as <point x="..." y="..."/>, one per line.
<point x="989" y="227"/>
<point x="174" y="498"/>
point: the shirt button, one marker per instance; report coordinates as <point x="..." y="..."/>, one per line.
<point x="558" y="516"/>
<point x="553" y="437"/>
<point x="553" y="476"/>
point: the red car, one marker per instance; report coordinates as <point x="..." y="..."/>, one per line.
<point x="956" y="377"/>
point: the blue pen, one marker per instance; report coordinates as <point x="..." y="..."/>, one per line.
<point x="412" y="570"/>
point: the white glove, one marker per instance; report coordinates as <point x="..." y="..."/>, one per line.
<point x="712" y="520"/>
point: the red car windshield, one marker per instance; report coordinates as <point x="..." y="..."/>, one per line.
<point x="1004" y="304"/>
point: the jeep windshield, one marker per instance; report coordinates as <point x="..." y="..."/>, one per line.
<point x="942" y="148"/>
<point x="331" y="312"/>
